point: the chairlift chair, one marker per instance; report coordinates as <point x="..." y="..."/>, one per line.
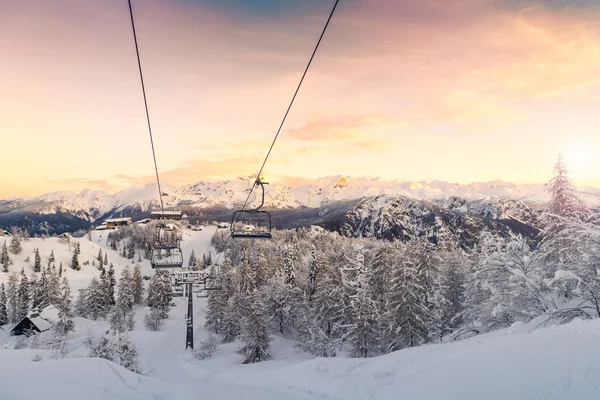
<point x="253" y="223"/>
<point x="166" y="252"/>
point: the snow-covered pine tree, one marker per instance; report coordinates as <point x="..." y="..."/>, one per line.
<point x="75" y="262"/>
<point x="131" y="250"/>
<point x="3" y="305"/>
<point x="34" y="292"/>
<point x="192" y="260"/>
<point x="5" y="258"/>
<point x="43" y="290"/>
<point x="328" y="303"/>
<point x="313" y="273"/>
<point x="289" y="269"/>
<point x="121" y="318"/>
<point x="12" y="295"/>
<point x="65" y="322"/>
<point x="311" y="337"/>
<point x="102" y="348"/>
<point x="160" y="293"/>
<point x="60" y="270"/>
<point x="99" y="258"/>
<point x="563" y="200"/>
<point x="363" y="334"/>
<point x="125" y="295"/>
<point x="54" y="288"/>
<point x="153" y="319"/>
<point x="15" y="245"/>
<point x="37" y="265"/>
<point x="209" y="259"/>
<point x="80" y="308"/>
<point x="96" y="306"/>
<point x="111" y="283"/>
<point x="203" y="264"/>
<point x="453" y="276"/>
<point x="51" y="259"/>
<point x="125" y="353"/>
<point x="408" y="315"/>
<point x="106" y="258"/>
<point x="215" y="313"/>
<point x="255" y="332"/>
<point x="23" y="299"/>
<point x="137" y="285"/>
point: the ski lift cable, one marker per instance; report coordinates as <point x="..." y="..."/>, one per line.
<point x="291" y="103"/>
<point x="137" y="52"/>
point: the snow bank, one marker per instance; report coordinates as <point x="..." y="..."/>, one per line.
<point x="560" y="362"/>
<point x="79" y="378"/>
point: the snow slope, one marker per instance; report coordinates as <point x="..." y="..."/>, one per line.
<point x="79" y="378"/>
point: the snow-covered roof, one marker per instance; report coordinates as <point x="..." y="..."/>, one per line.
<point x="126" y="219"/>
<point x="101" y="227"/>
<point x="44" y="319"/>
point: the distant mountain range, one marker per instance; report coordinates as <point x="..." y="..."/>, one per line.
<point x="66" y="210"/>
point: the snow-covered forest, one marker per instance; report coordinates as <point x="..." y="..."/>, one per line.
<point x="330" y="292"/>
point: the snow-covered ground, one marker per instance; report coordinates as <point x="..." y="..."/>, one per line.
<point x="559" y="362"/>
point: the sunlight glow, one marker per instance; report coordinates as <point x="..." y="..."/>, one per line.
<point x="579" y="159"/>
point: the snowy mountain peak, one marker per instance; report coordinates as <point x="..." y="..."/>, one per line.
<point x="90" y="205"/>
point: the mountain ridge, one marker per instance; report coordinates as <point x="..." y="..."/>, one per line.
<point x="88" y="207"/>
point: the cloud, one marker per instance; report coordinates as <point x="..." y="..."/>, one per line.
<point x="346" y="128"/>
<point x="94" y="184"/>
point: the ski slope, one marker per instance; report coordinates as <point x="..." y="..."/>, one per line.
<point x="558" y="362"/>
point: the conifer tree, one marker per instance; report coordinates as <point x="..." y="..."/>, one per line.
<point x="160" y="293"/>
<point x="313" y="272"/>
<point x="65" y="322"/>
<point x="99" y="258"/>
<point x="363" y="332"/>
<point x="5" y="259"/>
<point x="15" y="245"/>
<point x="12" y="295"/>
<point x="95" y="306"/>
<point x="34" y="293"/>
<point x="3" y="306"/>
<point x="255" y="332"/>
<point x="37" y="266"/>
<point x="192" y="260"/>
<point x="563" y="200"/>
<point x="60" y="270"/>
<point x="137" y="283"/>
<point x="54" y="286"/>
<point x="106" y="258"/>
<point x="75" y="262"/>
<point x="126" y="353"/>
<point x="23" y="299"/>
<point x="218" y="301"/>
<point x="51" y="259"/>
<point x="102" y="349"/>
<point x="153" y="320"/>
<point x="111" y="283"/>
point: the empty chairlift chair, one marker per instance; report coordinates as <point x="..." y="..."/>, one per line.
<point x="167" y="251"/>
<point x="253" y="223"/>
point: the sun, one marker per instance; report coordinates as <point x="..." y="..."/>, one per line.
<point x="579" y="159"/>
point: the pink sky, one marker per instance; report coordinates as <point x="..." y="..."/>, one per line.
<point x="456" y="90"/>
